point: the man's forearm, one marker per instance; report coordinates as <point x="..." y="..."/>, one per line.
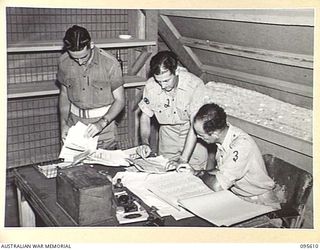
<point x="114" y="110"/>
<point x="64" y="107"/>
<point x="189" y="145"/>
<point x="145" y="129"/>
<point x="116" y="107"/>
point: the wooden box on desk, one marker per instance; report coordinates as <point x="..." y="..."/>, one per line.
<point x="86" y="195"/>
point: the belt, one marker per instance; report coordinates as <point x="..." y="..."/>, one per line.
<point x="89" y="113"/>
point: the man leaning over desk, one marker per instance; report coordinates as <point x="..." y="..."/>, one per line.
<point x="167" y="96"/>
<point x="239" y="163"/>
<point x="91" y="87"/>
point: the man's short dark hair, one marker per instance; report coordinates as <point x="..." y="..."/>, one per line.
<point x="76" y="38"/>
<point x="166" y="59"/>
<point x="213" y="117"/>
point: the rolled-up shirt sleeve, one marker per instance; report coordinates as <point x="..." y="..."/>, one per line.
<point x="235" y="164"/>
<point x="145" y="104"/>
<point x="116" y="79"/>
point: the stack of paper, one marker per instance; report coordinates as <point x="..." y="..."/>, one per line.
<point x="77" y="144"/>
<point x="173" y="186"/>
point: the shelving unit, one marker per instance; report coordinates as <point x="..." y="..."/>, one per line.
<point x="34" y="45"/>
<point x="37" y="46"/>
<point x="49" y="87"/>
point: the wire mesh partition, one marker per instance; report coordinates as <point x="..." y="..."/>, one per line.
<point x="45" y="24"/>
<point x="33" y="122"/>
<point x="33" y="130"/>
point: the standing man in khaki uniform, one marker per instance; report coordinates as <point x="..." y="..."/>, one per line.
<point x="167" y="95"/>
<point x="91" y="88"/>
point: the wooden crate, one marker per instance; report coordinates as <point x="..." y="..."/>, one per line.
<point x="85" y="194"/>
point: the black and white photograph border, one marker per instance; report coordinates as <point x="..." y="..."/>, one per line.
<point x="259" y="62"/>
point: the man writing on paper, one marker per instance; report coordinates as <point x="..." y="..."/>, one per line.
<point x="239" y="163"/>
<point x="91" y="88"/>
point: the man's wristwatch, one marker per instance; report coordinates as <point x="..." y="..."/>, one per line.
<point x="105" y="122"/>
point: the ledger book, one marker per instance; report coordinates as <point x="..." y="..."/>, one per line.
<point x="186" y="191"/>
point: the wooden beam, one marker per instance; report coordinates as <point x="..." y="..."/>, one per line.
<point x="298" y="17"/>
<point x="50" y="88"/>
<point x="292" y="59"/>
<point x="140" y="62"/>
<point x="171" y="36"/>
<point x="285" y="86"/>
<point x="151" y="31"/>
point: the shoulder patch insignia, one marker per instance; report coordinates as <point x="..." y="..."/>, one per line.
<point x="146" y="100"/>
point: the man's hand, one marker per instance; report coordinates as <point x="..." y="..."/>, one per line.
<point x="174" y="163"/>
<point x="185" y="168"/>
<point x="94" y="129"/>
<point x="144" y="150"/>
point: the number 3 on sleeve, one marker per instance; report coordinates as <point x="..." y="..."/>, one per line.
<point x="235" y="158"/>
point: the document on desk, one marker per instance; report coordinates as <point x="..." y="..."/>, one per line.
<point x="223" y="208"/>
<point x="78" y="143"/>
<point x="173" y="186"/>
<point x="154" y="165"/>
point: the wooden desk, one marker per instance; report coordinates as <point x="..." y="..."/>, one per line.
<point x="37" y="198"/>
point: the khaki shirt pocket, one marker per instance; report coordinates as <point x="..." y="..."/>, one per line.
<point x="101" y="92"/>
<point x="183" y="114"/>
<point x="73" y="90"/>
<point x="164" y="115"/>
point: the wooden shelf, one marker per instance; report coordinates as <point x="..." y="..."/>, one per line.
<point x="50" y="88"/>
<point x="37" y="46"/>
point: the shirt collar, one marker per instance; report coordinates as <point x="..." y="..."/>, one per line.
<point x="94" y="60"/>
<point x="96" y="55"/>
<point x="181" y="86"/>
<point x="230" y="136"/>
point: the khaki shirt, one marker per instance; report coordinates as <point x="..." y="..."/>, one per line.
<point x="90" y="86"/>
<point x="173" y="114"/>
<point x="241" y="166"/>
<point x="170" y="109"/>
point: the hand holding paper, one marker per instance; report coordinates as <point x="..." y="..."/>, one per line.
<point x="77" y="142"/>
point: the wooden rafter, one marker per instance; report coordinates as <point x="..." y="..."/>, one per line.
<point x="172" y="37"/>
<point x="298" y="17"/>
<point x="292" y="59"/>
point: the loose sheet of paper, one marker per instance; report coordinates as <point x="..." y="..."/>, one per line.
<point x="223" y="208"/>
<point x="108" y="158"/>
<point x="77" y="142"/>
